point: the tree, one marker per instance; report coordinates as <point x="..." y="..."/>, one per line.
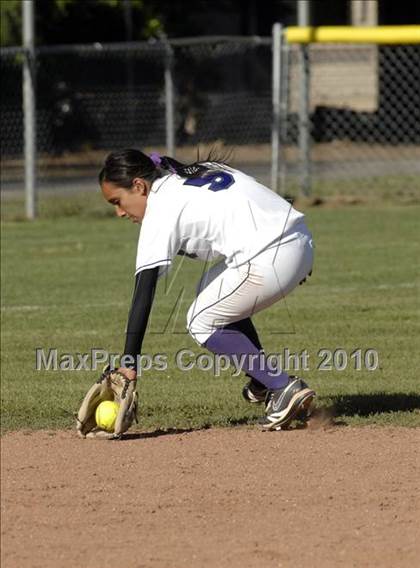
<point x="81" y="21"/>
<point x="11" y="22"/>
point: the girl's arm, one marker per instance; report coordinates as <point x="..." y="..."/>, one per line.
<point x="141" y="305"/>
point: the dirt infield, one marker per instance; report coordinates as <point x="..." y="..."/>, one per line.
<point x="214" y="498"/>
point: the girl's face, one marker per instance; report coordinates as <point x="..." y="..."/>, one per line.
<point x="129" y="203"/>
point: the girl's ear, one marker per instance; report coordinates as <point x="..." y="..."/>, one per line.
<point x="139" y="185"/>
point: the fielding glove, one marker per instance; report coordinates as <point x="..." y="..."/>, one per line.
<point x="114" y="386"/>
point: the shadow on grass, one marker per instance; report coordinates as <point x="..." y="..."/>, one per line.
<point x="376" y="403"/>
<point x="325" y="415"/>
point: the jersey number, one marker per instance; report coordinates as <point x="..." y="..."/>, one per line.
<point x="217" y="181"/>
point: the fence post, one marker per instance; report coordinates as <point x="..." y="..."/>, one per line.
<point x="276" y="80"/>
<point x="304" y="122"/>
<point x="29" y="108"/>
<point x="169" y="100"/>
<point x="284" y="108"/>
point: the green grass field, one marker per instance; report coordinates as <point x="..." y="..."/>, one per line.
<point x="67" y="283"/>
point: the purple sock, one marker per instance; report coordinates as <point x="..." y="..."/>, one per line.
<point x="233" y="342"/>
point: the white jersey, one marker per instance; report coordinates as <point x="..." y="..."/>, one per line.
<point x="225" y="214"/>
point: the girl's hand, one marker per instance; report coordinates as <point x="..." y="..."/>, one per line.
<point x="129" y="373"/>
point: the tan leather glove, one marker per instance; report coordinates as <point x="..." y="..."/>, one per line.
<point x="115" y="386"/>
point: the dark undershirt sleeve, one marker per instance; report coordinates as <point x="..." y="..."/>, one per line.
<point x="143" y="295"/>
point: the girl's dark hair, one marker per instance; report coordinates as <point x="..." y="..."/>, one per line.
<point x="123" y="166"/>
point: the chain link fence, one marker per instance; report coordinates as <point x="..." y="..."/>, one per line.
<point x="364" y="110"/>
<point x="363" y="102"/>
<point x="92" y="99"/>
<point x="223" y="91"/>
<point x="11" y="113"/>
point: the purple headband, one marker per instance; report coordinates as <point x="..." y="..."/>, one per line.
<point x="156" y="159"/>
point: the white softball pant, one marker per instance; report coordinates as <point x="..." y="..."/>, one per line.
<point x="226" y="295"/>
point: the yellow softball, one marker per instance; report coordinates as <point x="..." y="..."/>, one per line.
<point x="106" y="414"/>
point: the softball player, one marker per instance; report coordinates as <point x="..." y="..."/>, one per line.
<point x="210" y="211"/>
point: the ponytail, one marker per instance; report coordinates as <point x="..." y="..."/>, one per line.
<point x="196" y="169"/>
<point x="122" y="167"/>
